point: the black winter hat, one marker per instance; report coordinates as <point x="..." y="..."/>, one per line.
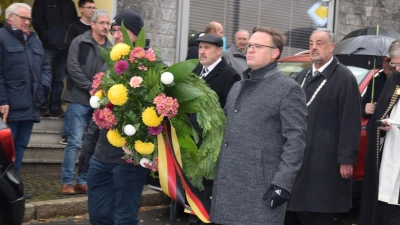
<point x="131" y="19"/>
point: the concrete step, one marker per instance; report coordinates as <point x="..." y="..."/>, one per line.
<point x="53" y="123"/>
<point x="44" y="153"/>
<point x="48" y="136"/>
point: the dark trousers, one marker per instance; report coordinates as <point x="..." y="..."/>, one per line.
<point x="115" y="191"/>
<point x="205" y="196"/>
<point x="315" y="218"/>
<point x="388" y="214"/>
<point x="21" y="132"/>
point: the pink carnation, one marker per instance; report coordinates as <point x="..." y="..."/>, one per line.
<point x="136" y="81"/>
<point x="121" y="66"/>
<point x="104" y="118"/>
<point x="155" y="130"/>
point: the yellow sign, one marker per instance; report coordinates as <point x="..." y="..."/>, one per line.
<point x="319" y="13"/>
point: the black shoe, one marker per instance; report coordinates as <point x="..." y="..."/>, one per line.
<point x="57" y="113"/>
<point x="64" y="140"/>
<point x="44" y="112"/>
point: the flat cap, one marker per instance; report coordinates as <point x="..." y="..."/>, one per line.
<point x="212" y="39"/>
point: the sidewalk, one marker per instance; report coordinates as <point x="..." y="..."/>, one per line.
<point x="47" y="201"/>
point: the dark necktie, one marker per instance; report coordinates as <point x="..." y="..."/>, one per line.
<point x="204" y="72"/>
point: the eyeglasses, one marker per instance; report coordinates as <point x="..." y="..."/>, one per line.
<point x="394" y="64"/>
<point x="102" y="23"/>
<point x="89" y="7"/>
<point x="23" y="18"/>
<point x="112" y="32"/>
<point x="257" y="47"/>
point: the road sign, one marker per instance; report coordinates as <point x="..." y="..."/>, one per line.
<point x="319" y="13"/>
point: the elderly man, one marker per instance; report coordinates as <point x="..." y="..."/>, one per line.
<point x="264" y="139"/>
<point x="115" y="186"/>
<point x="323" y="186"/>
<point x="24" y="76"/>
<point x="236" y="54"/>
<point x="84" y="61"/>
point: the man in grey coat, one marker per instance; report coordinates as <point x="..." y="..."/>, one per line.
<point x="236" y="54"/>
<point x="264" y="139"/>
<point x="324" y="184"/>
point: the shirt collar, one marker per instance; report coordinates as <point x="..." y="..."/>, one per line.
<point x="322" y="67"/>
<point x="212" y="66"/>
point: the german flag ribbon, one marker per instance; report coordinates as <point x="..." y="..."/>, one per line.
<point x="173" y="180"/>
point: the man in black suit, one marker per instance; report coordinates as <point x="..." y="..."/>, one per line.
<point x="220" y="76"/>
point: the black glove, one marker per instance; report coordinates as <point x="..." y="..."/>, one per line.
<point x="84" y="158"/>
<point x="276" y="196"/>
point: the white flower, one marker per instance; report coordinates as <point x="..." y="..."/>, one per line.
<point x="129" y="130"/>
<point x="94" y="102"/>
<point x="144" y="161"/>
<point x="167" y="78"/>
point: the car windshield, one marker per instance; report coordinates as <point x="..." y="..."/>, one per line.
<point x="292" y="69"/>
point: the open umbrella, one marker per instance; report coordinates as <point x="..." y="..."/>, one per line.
<point x="372" y="45"/>
<point x="372" y="30"/>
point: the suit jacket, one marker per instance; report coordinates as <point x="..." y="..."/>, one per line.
<point x="220" y="79"/>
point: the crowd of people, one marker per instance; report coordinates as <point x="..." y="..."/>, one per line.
<point x="289" y="145"/>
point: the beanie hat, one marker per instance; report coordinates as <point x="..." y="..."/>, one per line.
<point x="131" y="19"/>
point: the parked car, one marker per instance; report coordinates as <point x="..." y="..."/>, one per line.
<point x="292" y="65"/>
<point x="12" y="199"/>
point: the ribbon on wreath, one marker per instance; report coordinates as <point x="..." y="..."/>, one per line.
<point x="173" y="180"/>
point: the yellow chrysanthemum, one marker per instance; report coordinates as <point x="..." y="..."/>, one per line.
<point x="150" y="118"/>
<point x="115" y="138"/>
<point x="119" y="50"/>
<point x="144" y="148"/>
<point x="118" y="94"/>
<point x="99" y="94"/>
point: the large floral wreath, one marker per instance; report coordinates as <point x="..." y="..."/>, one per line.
<point x="134" y="96"/>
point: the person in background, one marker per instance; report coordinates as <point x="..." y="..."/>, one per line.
<point x="380" y="199"/>
<point x="84" y="62"/>
<point x="51" y="19"/>
<point x="236" y="54"/>
<point x="80" y="26"/>
<point x="323" y="186"/>
<point x="24" y="76"/>
<point x="368" y="107"/>
<point x="212" y="28"/>
<point x="115" y="186"/>
<point x="264" y="139"/>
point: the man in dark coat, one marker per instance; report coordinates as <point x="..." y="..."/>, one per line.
<point x="376" y="208"/>
<point x="24" y="76"/>
<point x="220" y="77"/>
<point x="323" y="186"/>
<point x="368" y="107"/>
<point x="264" y="139"/>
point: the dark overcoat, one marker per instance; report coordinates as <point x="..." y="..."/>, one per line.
<point x="263" y="144"/>
<point x="333" y="135"/>
<point x="369" y="198"/>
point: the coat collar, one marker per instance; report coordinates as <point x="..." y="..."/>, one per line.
<point x="236" y="52"/>
<point x="261" y="72"/>
<point x="217" y="69"/>
<point x="328" y="71"/>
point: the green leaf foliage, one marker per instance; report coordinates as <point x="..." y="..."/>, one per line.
<point x="141" y="38"/>
<point x="105" y="53"/>
<point x="183" y="92"/>
<point x="127" y="39"/>
<point x="182" y="69"/>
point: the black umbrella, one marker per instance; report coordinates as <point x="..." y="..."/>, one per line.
<point x="373" y="45"/>
<point x="372" y="31"/>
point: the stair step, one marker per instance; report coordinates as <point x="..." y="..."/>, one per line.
<point x="45" y="137"/>
<point x="53" y="123"/>
<point x="44" y="153"/>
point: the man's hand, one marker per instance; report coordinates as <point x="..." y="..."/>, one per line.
<point x="387" y="127"/>
<point x="370" y="108"/>
<point x="83" y="163"/>
<point x="4" y="110"/>
<point x="276" y="196"/>
<point x="346" y="171"/>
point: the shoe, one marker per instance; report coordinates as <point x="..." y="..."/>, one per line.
<point x="66" y="189"/>
<point x="44" y="112"/>
<point x="64" y="140"/>
<point x="57" y="113"/>
<point x="81" y="188"/>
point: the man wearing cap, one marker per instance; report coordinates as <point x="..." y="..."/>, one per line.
<point x="220" y="76"/>
<point x="115" y="186"/>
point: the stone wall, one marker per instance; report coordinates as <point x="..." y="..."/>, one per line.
<point x="160" y="18"/>
<point x="355" y="14"/>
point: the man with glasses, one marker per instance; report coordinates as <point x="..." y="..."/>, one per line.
<point x="80" y="26"/>
<point x="368" y="107"/>
<point x="84" y="61"/>
<point x="51" y="19"/>
<point x="24" y="76"/>
<point x="264" y="139"/>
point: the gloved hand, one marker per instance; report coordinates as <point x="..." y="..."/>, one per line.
<point x="276" y="196"/>
<point x="83" y="163"/>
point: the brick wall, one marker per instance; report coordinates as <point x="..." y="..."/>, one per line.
<point x="355" y="14"/>
<point x="160" y="18"/>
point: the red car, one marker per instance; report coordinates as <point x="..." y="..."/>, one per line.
<point x="292" y="65"/>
